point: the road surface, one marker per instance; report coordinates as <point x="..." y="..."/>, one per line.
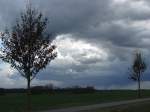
<point x="95" y="106"/>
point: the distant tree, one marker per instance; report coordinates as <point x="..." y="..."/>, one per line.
<point x="137" y="69"/>
<point x="28" y="47"/>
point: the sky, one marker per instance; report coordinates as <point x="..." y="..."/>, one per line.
<point x="96" y="42"/>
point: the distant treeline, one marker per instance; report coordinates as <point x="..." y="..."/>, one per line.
<point x="50" y="90"/>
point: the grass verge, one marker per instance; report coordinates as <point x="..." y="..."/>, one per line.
<point x="17" y="102"/>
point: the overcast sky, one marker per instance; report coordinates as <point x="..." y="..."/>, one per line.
<point x="96" y="41"/>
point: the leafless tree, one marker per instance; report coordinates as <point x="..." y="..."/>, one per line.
<point x="137" y="69"/>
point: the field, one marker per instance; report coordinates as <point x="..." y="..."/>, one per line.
<point x="17" y="102"/>
<point x="137" y="107"/>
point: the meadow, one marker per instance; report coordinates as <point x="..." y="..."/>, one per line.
<point x="17" y="102"/>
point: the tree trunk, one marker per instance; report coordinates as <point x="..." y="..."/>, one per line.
<point x="28" y="96"/>
<point x="139" y="87"/>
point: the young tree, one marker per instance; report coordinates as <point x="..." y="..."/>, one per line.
<point x="137" y="69"/>
<point x="27" y="47"/>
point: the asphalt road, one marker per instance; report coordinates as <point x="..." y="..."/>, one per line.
<point x="95" y="106"/>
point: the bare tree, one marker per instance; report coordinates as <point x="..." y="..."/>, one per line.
<point x="27" y="47"/>
<point x="137" y="69"/>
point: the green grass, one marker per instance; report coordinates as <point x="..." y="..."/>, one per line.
<point x="17" y="102"/>
<point x="136" y="107"/>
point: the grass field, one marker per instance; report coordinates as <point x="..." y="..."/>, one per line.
<point x="17" y="102"/>
<point x="136" y="107"/>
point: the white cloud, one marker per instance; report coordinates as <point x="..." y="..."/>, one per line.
<point x="68" y="46"/>
<point x="76" y="56"/>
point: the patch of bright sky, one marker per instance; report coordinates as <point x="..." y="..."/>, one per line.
<point x="137" y="5"/>
<point x="71" y="50"/>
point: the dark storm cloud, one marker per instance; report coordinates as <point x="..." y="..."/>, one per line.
<point x="74" y="16"/>
<point x="100" y="22"/>
<point x="91" y="20"/>
<point x="102" y="82"/>
<point x="9" y="10"/>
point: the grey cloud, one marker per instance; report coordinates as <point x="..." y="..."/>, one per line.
<point x="90" y="20"/>
<point x="132" y="10"/>
<point x="9" y="10"/>
<point x="69" y="16"/>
